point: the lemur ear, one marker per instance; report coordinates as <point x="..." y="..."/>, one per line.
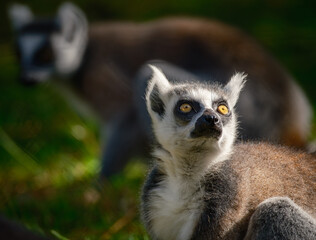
<point x="20" y="15"/>
<point x="157" y="88"/>
<point x="70" y="44"/>
<point x="234" y="86"/>
<point x="72" y="20"/>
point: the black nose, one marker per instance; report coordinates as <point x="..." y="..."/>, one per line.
<point x="207" y="121"/>
<point x="210" y="119"/>
<point x="208" y="125"/>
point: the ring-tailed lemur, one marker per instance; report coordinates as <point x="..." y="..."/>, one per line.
<point x="99" y="64"/>
<point x="202" y="186"/>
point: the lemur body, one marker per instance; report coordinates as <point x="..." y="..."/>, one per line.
<point x="100" y="65"/>
<point x="203" y="187"/>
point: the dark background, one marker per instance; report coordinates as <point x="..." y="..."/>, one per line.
<point x="49" y="152"/>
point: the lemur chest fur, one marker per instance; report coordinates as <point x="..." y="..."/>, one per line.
<point x="174" y="208"/>
<point x="182" y="209"/>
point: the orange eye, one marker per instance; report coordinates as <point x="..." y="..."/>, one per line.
<point x="222" y="109"/>
<point x="185" y="108"/>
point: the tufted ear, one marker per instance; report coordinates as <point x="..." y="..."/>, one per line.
<point x="19" y="15"/>
<point x="157" y="89"/>
<point x="234" y="87"/>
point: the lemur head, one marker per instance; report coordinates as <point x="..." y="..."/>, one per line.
<point x="47" y="47"/>
<point x="193" y="117"/>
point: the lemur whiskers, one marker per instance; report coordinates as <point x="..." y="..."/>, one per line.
<point x="204" y="187"/>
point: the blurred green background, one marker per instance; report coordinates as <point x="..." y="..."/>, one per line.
<point x="49" y="152"/>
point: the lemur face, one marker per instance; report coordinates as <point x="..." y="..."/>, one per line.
<point x="51" y="46"/>
<point x="35" y="52"/>
<point x="208" y="117"/>
<point x="191" y="115"/>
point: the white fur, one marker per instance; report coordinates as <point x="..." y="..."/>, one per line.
<point x="158" y="79"/>
<point x="20" y="15"/>
<point x="175" y="206"/>
<point x="69" y="54"/>
<point x="176" y="140"/>
<point x="234" y="87"/>
<point x="180" y="211"/>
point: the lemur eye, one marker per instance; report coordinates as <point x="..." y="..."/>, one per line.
<point x="222" y="109"/>
<point x="185" y="108"/>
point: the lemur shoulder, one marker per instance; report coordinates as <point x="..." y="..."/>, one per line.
<point x="204" y="187"/>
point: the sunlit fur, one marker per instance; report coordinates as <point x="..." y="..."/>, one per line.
<point x="180" y="156"/>
<point x="208" y="188"/>
<point x="176" y="140"/>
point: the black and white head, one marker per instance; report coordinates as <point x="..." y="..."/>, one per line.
<point x="192" y="117"/>
<point x="49" y="46"/>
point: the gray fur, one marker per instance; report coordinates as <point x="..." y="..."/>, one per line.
<point x="197" y="188"/>
<point x="279" y="218"/>
<point x="181" y="160"/>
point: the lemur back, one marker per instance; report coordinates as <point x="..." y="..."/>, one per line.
<point x="259" y="172"/>
<point x="202" y="186"/>
<point x="100" y="64"/>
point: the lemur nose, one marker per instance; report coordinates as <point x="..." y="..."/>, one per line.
<point x="208" y="125"/>
<point x="211" y="119"/>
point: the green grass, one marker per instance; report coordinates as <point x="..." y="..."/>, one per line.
<point x="49" y="153"/>
<point x="49" y="161"/>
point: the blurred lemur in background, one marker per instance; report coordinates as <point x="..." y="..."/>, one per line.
<point x="202" y="186"/>
<point x="100" y="64"/>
